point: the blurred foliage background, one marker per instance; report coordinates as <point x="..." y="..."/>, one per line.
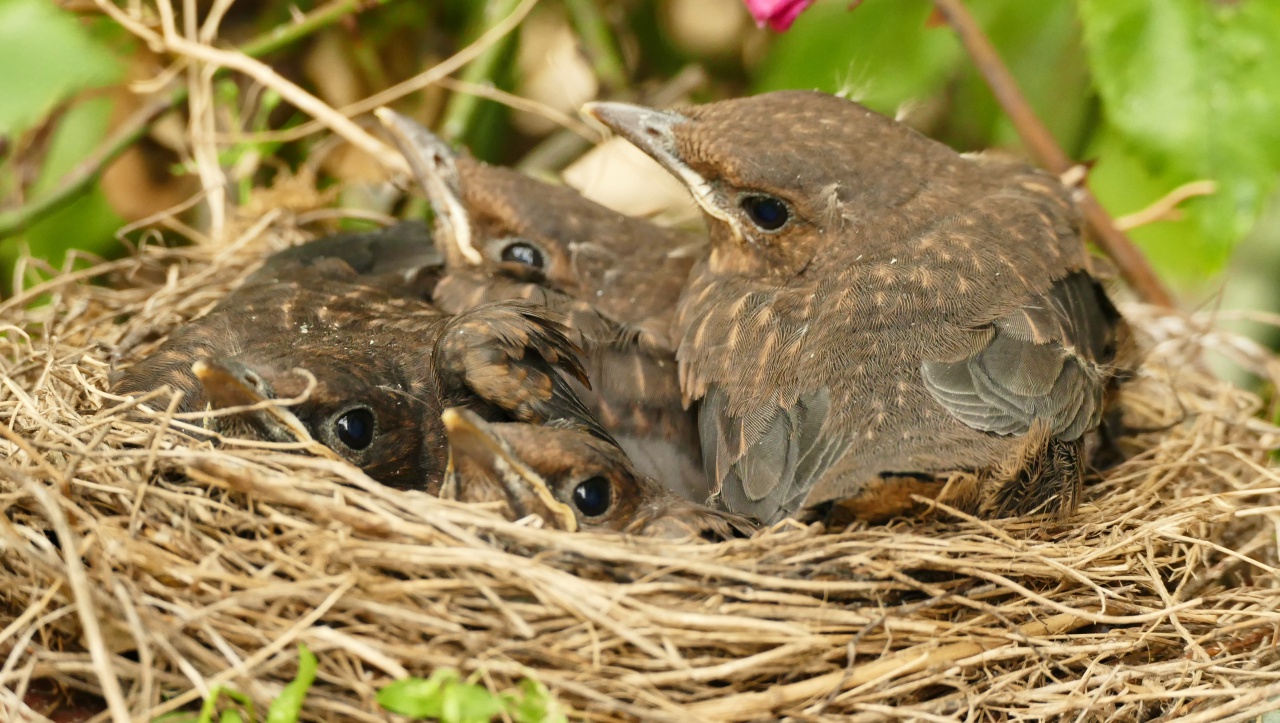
<point x="1155" y="94"/>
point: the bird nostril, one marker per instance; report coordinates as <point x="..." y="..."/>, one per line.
<point x="252" y="379"/>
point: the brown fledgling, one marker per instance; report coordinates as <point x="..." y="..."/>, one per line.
<point x="879" y="315"/>
<point x="358" y="364"/>
<point x="572" y="480"/>
<point x="504" y="234"/>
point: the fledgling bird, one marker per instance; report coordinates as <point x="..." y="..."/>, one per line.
<point x="617" y="279"/>
<point x="879" y="315"/>
<point x="403" y="255"/>
<point x="376" y="366"/>
<point x="572" y="480"/>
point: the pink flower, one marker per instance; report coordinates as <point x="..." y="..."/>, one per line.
<point x="779" y="14"/>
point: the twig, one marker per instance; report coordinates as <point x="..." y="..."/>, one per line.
<point x="516" y="102"/>
<point x="425" y="79"/>
<point x="285" y="35"/>
<point x="37" y="459"/>
<point x="746" y="706"/>
<point x="1166" y="207"/>
<point x="289" y="91"/>
<point x="1132" y="263"/>
<point x="75" y="182"/>
<point x="83" y="594"/>
<point x="460" y="113"/>
<point x="18" y="219"/>
<point x="561" y="148"/>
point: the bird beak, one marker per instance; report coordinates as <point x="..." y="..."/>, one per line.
<point x="434" y="166"/>
<point x="482" y="466"/>
<point x="653" y="131"/>
<point x="230" y="384"/>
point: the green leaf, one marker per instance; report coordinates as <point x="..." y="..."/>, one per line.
<point x="469" y="703"/>
<point x="881" y="53"/>
<point x="286" y="707"/>
<point x="417" y="697"/>
<point x="210" y="706"/>
<point x="534" y="704"/>
<point x="46" y="56"/>
<point x="88" y="223"/>
<point x="1191" y="86"/>
<point x="1124" y="183"/>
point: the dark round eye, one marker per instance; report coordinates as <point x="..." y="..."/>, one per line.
<point x="767" y="212"/>
<point x="522" y="252"/>
<point x="593" y="496"/>
<point x="355" y="428"/>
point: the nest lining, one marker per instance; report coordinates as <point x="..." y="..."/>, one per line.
<point x="199" y="565"/>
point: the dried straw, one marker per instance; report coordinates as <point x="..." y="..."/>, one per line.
<point x="143" y="564"/>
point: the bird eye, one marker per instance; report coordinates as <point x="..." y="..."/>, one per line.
<point x="767" y="212"/>
<point x="593" y="496"/>
<point x="355" y="428"/>
<point x="523" y="252"/>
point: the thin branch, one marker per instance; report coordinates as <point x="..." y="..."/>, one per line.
<point x="1166" y="208"/>
<point x="516" y="102"/>
<point x="82" y="592"/>
<point x="16" y="220"/>
<point x="559" y="149"/>
<point x="289" y="91"/>
<point x="1133" y="265"/>
<point x="76" y="181"/>
<point x="425" y="79"/>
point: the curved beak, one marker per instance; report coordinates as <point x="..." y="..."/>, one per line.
<point x="434" y="165"/>
<point x="231" y="384"/>
<point x="482" y="467"/>
<point x="654" y="132"/>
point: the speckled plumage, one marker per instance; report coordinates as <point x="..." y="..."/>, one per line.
<point x="921" y="315"/>
<point x="368" y="341"/>
<point x="616" y="278"/>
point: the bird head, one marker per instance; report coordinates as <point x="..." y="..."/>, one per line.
<point x="572" y="479"/>
<point x="783" y="176"/>
<point x="355" y="405"/>
<point x="497" y="218"/>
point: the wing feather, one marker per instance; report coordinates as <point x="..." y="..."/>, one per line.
<point x="1042" y="362"/>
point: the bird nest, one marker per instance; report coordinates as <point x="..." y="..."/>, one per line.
<point x="146" y="565"/>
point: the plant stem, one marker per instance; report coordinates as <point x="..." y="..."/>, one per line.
<point x="79" y="179"/>
<point x="597" y="40"/>
<point x="1133" y="265"/>
<point x="460" y="113"/>
<point x="285" y="35"/>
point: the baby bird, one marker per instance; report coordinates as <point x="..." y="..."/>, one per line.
<point x="504" y="234"/>
<point x="573" y="480"/>
<point x="879" y="315"/>
<point x="307" y="347"/>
